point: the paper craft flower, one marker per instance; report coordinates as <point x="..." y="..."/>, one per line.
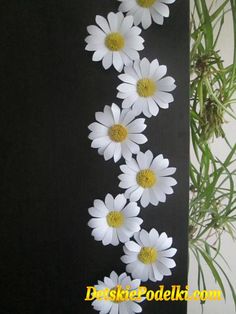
<point x="115" y="40"/>
<point x="113" y="283"/>
<point x="144" y="87"/>
<point x="147" y="179"/>
<point x="144" y="11"/>
<point x="150" y="256"/>
<point x="117" y="133"/>
<point x="114" y="221"/>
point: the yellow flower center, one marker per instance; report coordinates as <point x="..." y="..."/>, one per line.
<point x="115" y="219"/>
<point x="115" y="41"/>
<point x="146" y="178"/>
<point x="148" y="255"/>
<point x="118" y="296"/>
<point x="146" y="87"/>
<point x="145" y="3"/>
<point x="118" y="133"/>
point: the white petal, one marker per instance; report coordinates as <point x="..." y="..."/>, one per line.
<point x="95" y="212"/>
<point x="126" y="24"/>
<point x="109" y="151"/>
<point x="133" y="224"/>
<point x="126" y="88"/>
<point x="157" y="17"/>
<point x="138" y="16"/>
<point x="114" y="277"/>
<point x="102" y="22"/>
<point x="123" y="236"/>
<point x="169" y="181"/>
<point x="168" y="262"/>
<point x="167" y="171"/>
<point x="152" y="106"/>
<point x="129" y="70"/>
<point x="126" y="259"/>
<point x="131" y="53"/>
<point x="119" y="202"/>
<point x="113" y="21"/>
<point x="127" y="154"/>
<point x="132" y="164"/>
<point x="98" y="204"/>
<point x="156" y="273"/>
<point x="117" y="61"/>
<point x="98" y="128"/>
<point x="97" y="223"/>
<point x="107" y="61"/>
<point x="108" y="237"/>
<point x="160" y="72"/>
<point x="145" y="67"/>
<point x="95" y="31"/>
<point x="136" y="308"/>
<point x="114" y="309"/>
<point x="104" y="118"/>
<point x="169" y="253"/>
<point x="116" y="113"/>
<point x="100" y="142"/>
<point x="109" y="201"/>
<point x="146" y="19"/>
<point x="131" y="210"/>
<point x="166" y="84"/>
<point x="162" y="9"/>
<point x="138" y="138"/>
<point x="99" y="55"/>
<point x="98" y="233"/>
<point x="144" y="237"/>
<point x="160" y="195"/>
<point x="127" y="79"/>
<point x="117" y="152"/>
<point x="126" y="5"/>
<point x="145" y="199"/>
<point x="134" y="148"/>
<point x="115" y="240"/>
<point x="137" y="126"/>
<point x="133" y="246"/>
<point x="163" y="269"/>
<point x="129" y="100"/>
<point x="146" y="111"/>
<point x="164" y="97"/>
<point x="135" y="196"/>
<point x="154" y="235"/>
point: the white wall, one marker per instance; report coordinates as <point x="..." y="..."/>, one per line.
<point x="226" y="45"/>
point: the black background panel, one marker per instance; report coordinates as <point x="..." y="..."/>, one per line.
<point x="51" y="90"/>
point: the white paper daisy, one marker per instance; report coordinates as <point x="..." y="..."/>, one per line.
<point x="114" y="221"/>
<point x="118" y="306"/>
<point x="144" y="11"/>
<point x="150" y="256"/>
<point x="115" y="40"/>
<point x="145" y="88"/>
<point x="147" y="179"/>
<point x="117" y="133"/>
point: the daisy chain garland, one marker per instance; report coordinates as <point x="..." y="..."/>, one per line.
<point x="118" y="133"/>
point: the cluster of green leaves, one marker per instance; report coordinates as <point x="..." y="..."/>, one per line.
<point x="212" y="181"/>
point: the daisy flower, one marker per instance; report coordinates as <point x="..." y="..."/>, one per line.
<point x="112" y="284"/>
<point x="149" y="256"/>
<point x="147" y="178"/>
<point x="114" y="40"/>
<point x="114" y="221"/>
<point x="144" y="11"/>
<point x="117" y="133"/>
<point x="145" y="88"/>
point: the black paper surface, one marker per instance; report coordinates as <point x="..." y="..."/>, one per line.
<point x="50" y="175"/>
